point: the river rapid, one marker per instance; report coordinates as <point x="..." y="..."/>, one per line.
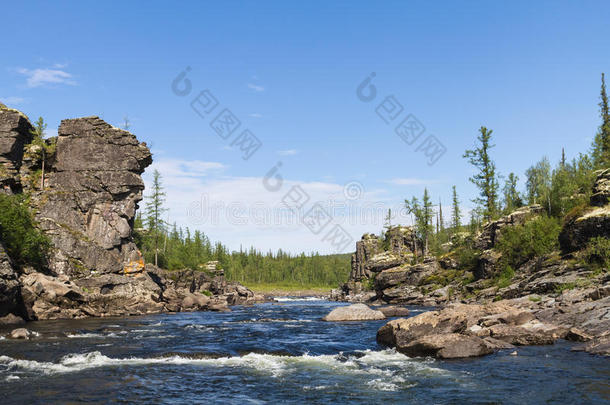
<point x="278" y="352"/>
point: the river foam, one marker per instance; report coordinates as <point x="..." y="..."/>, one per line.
<point x="297" y="299"/>
<point x="385" y="368"/>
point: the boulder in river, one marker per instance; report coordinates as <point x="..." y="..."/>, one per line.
<point x="20" y="333"/>
<point x="355" y="312"/>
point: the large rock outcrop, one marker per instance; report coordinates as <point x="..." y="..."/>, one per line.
<point x="15" y="133"/>
<point x="373" y="257"/>
<point x="92" y="192"/>
<point x="86" y="206"/>
<point x="467" y="331"/>
<point x="492" y="231"/>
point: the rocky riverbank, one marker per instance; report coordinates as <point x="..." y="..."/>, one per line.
<point x="481" y="307"/>
<point x="84" y="193"/>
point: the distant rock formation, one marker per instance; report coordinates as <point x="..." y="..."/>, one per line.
<point x="92" y="187"/>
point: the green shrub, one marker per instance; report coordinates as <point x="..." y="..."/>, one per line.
<point x="24" y="243"/>
<point x="535" y="238"/>
<point x="505" y="277"/>
<point x="467" y="257"/>
<point x="207" y="293"/>
<point x="597" y="252"/>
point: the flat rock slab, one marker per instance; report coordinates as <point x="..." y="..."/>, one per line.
<point x="447" y="346"/>
<point x="393" y="311"/>
<point x="355" y="312"/>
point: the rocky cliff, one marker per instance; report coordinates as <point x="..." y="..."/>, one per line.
<point x="85" y="204"/>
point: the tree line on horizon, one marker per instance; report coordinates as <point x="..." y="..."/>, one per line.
<point x="171" y="247"/>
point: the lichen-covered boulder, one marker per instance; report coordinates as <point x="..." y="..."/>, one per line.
<point x="589" y="222"/>
<point x="578" y="229"/>
<point x="601" y="190"/>
<point x="492" y="231"/>
<point x="447" y="346"/>
<point x="462" y="330"/>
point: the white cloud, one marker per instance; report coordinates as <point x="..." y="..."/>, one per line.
<point x="41" y="77"/>
<point x="255" y="87"/>
<point x="409" y="181"/>
<point x="12" y="100"/>
<point x="242" y="211"/>
<point x="287" y="152"/>
<point x="255" y="115"/>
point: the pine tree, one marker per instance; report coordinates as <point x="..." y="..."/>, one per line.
<point x="154" y="212"/>
<point x="485" y="178"/>
<point x="455" y="212"/>
<point x="601" y="143"/>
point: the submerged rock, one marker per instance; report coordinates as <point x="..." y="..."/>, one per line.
<point x="20" y="333"/>
<point x="355" y="312"/>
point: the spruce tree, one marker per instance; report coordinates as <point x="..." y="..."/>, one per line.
<point x="455" y="212"/>
<point x="154" y="212"/>
<point x="601" y="143"/>
<point x="485" y="178"/>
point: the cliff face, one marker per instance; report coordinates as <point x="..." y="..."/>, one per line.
<point x="91" y="194"/>
<point x="15" y="133"/>
<point x="86" y="205"/>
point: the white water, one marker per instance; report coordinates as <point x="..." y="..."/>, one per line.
<point x="293" y="299"/>
<point x="383" y="368"/>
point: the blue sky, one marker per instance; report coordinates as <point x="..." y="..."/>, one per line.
<point x="289" y="72"/>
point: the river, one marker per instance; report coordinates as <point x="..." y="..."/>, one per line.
<point x="277" y="352"/>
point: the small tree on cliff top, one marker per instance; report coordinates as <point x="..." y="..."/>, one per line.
<point x="155" y="210"/>
<point x="601" y="143"/>
<point x="38" y="133"/>
<point x="485" y="178"/>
